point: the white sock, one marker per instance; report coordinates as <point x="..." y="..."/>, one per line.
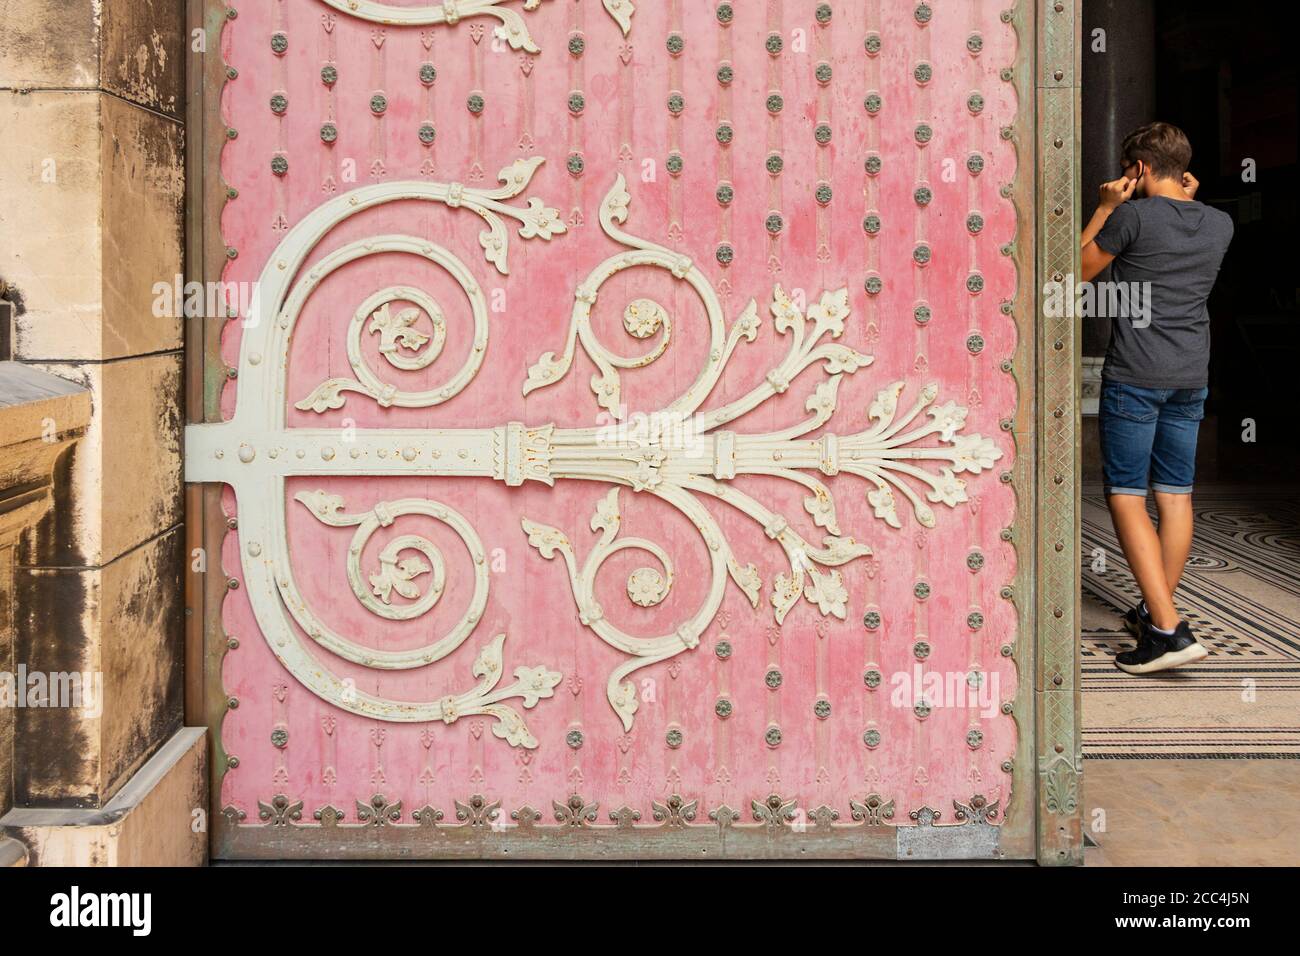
<point x="1144" y="611"/>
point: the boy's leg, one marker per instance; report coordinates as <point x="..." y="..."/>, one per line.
<point x="1173" y="469"/>
<point x="1128" y="420"/>
<point x="1137" y="536"/>
<point x="1175" y="534"/>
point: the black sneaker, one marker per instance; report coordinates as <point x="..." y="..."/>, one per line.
<point x="1159" y="652"/>
<point x="1136" y="617"/>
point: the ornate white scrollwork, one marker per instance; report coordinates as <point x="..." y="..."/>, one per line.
<point x="451" y="12"/>
<point x="621" y="11"/>
<point x="395" y="573"/>
<point x="399" y="574"/>
<point x="398" y="331"/>
<point x="644" y="651"/>
<point x="261" y="445"/>
<point x="887" y="454"/>
<point x="255" y="453"/>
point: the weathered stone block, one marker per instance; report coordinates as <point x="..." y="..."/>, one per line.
<point x="122" y="625"/>
<point x="142" y="162"/>
<point x="6" y="667"/>
<point x="128" y="47"/>
<point x="125" y="475"/>
<point x="40" y="416"/>
<point x="142" y="57"/>
<point x="52" y="254"/>
<point x="101" y="177"/>
<point x="49" y="44"/>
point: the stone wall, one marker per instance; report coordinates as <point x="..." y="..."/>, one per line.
<point x="92" y="193"/>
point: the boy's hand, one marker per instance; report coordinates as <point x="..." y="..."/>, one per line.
<point x="1190" y="185"/>
<point x="1116" y="191"/>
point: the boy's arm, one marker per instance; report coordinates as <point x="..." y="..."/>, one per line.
<point x="1094" y="258"/>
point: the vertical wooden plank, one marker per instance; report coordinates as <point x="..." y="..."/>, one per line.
<point x="205" y="375"/>
<point x="195" y="364"/>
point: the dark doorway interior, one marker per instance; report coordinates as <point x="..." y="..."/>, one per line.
<point x="1225" y="73"/>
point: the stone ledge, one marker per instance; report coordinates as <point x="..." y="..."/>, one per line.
<point x="149" y="823"/>
<point x="29" y="398"/>
<point x="40" y="415"/>
<point x="12" y="853"/>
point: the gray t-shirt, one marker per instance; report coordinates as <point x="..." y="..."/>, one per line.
<point x="1177" y="247"/>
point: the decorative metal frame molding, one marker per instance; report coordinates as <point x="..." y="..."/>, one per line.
<point x="255" y="449"/>
<point x="1059" y="345"/>
<point x="577" y="829"/>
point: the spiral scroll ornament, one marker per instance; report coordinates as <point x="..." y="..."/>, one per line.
<point x="410" y="575"/>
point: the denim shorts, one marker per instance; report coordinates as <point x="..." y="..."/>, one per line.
<point x="1148" y="438"/>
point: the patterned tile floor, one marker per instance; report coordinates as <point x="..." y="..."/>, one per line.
<point x="1241" y="594"/>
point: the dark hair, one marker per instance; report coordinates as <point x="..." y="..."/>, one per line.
<point x="1163" y="147"/>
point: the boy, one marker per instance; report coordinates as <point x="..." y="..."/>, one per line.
<point x="1158" y="239"/>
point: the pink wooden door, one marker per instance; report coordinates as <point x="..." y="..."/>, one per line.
<point x="621" y="401"/>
